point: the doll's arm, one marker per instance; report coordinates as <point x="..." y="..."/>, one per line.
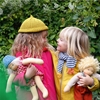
<point x="96" y="75"/>
<point x="9" y="82"/>
<point x="32" y="60"/>
<point x="31" y="70"/>
<point x="72" y="82"/>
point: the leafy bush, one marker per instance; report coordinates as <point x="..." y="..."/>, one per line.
<point x="57" y="14"/>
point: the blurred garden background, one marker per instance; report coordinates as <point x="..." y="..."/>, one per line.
<point x="57" y="14"/>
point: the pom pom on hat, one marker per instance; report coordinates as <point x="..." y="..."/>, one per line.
<point x="32" y="24"/>
<point x="7" y="60"/>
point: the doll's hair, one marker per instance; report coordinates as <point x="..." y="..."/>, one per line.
<point x="30" y="41"/>
<point x="89" y="61"/>
<point x="77" y="42"/>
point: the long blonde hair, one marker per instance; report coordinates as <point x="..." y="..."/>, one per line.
<point x="77" y="42"/>
<point x="29" y="44"/>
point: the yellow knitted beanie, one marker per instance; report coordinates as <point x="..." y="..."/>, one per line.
<point x="32" y="24"/>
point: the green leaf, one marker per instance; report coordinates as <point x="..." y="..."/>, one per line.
<point x="56" y="5"/>
<point x="47" y="1"/>
<point x="92" y="34"/>
<point x="75" y="16"/>
<point x="98" y="8"/>
<point x="71" y="6"/>
<point x="10" y="41"/>
<point x="92" y="50"/>
<point x="80" y="7"/>
<point x="52" y="37"/>
<point x="0" y="38"/>
<point x="87" y="19"/>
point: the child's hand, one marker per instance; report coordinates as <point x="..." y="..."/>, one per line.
<point x="85" y="80"/>
<point x="30" y="72"/>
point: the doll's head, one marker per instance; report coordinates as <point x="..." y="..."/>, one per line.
<point x="77" y="42"/>
<point x="32" y="37"/>
<point x="89" y="64"/>
<point x="11" y="62"/>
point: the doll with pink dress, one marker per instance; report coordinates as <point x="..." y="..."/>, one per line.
<point x="20" y="66"/>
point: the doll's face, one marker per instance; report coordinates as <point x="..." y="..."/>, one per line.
<point x="14" y="64"/>
<point x="89" y="71"/>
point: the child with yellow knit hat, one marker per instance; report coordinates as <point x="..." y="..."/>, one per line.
<point x="31" y="41"/>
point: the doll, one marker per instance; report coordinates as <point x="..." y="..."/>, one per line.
<point x="16" y="64"/>
<point x="87" y="66"/>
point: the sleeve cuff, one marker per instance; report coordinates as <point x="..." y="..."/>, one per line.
<point x="95" y="86"/>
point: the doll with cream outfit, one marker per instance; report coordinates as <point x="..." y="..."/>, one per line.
<point x="87" y="66"/>
<point x="16" y="64"/>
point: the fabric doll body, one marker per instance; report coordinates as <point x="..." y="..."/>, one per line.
<point x="21" y="70"/>
<point x="87" y="66"/>
<point x="75" y="80"/>
<point x="80" y="93"/>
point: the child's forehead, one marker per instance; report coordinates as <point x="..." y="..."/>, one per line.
<point x="61" y="35"/>
<point x="44" y="33"/>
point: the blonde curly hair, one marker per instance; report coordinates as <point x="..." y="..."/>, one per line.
<point x="89" y="61"/>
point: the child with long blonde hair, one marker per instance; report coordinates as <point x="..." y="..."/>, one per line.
<point x="72" y="45"/>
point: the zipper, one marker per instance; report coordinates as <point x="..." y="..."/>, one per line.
<point x="61" y="81"/>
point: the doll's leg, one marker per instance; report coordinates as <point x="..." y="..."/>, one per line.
<point x="34" y="92"/>
<point x="30" y="72"/>
<point x="9" y="82"/>
<point x="41" y="86"/>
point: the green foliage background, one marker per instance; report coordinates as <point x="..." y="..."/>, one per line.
<point x="57" y="14"/>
